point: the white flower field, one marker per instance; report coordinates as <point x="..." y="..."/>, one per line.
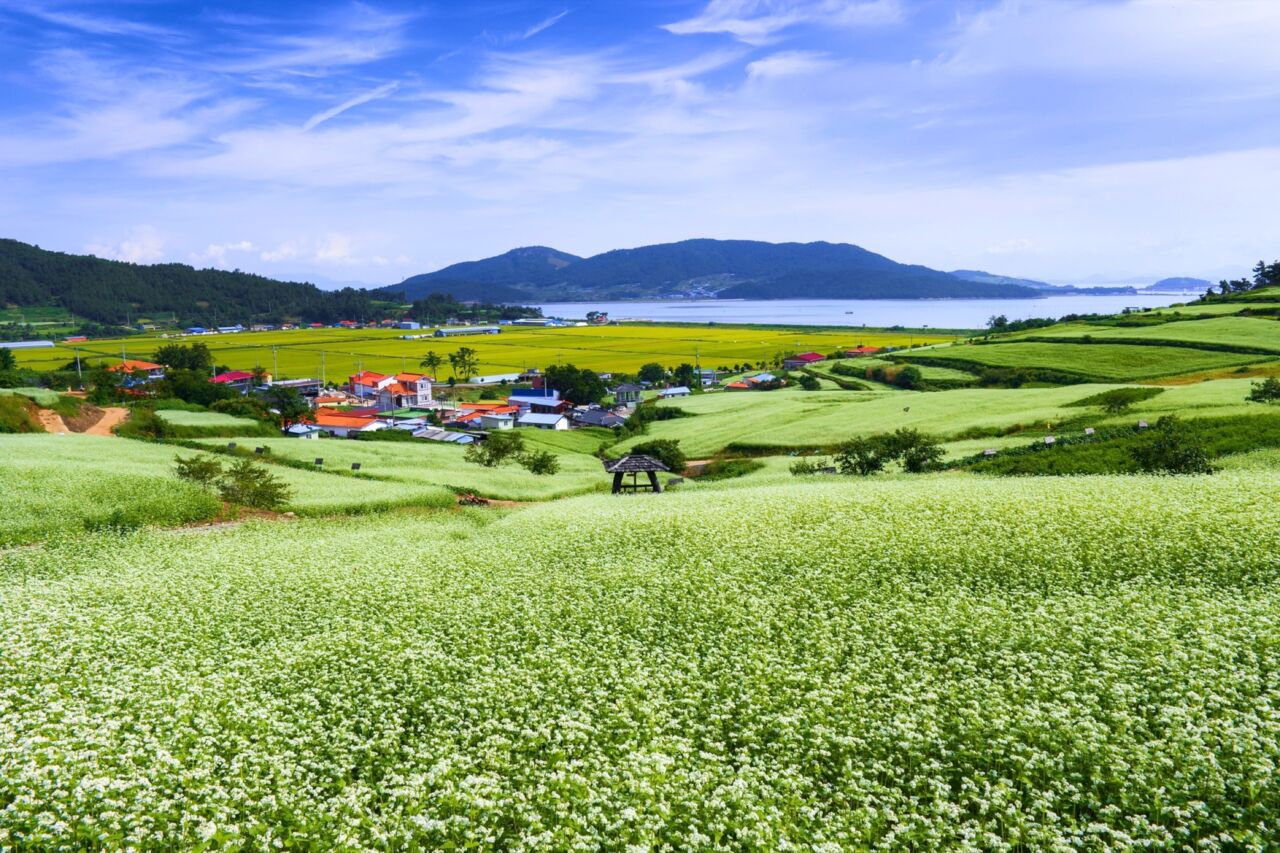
<point x="1056" y="664"/>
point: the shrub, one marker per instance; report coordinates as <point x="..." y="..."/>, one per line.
<point x="204" y="471"/>
<point x="665" y="450"/>
<point x="248" y="484"/>
<point x="496" y="449"/>
<point x="861" y="456"/>
<point x="727" y="469"/>
<point x="807" y="465"/>
<point x="541" y="462"/>
<point x="1172" y="448"/>
<point x="809" y="383"/>
<point x="1266" y="391"/>
<point x="1118" y="399"/>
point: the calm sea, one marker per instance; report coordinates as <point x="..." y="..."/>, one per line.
<point x="915" y="313"/>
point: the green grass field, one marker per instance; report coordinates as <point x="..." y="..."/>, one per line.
<point x="1253" y="332"/>
<point x="298" y="353"/>
<point x="924" y="664"/>
<point x="426" y="464"/>
<point x="207" y="420"/>
<point x="1099" y="362"/>
<point x="793" y="418"/>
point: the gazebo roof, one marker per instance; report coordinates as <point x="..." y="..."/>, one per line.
<point x="634" y="464"/>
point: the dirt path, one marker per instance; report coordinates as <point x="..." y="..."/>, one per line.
<point x="51" y="421"/>
<point x="110" y="417"/>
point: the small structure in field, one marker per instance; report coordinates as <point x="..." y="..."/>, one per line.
<point x="635" y="465"/>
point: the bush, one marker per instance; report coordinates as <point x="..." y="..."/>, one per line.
<point x="806" y="466"/>
<point x="496" y="449"/>
<point x="861" y="456"/>
<point x="1266" y="391"/>
<point x="665" y="450"/>
<point x="809" y="383"/>
<point x="204" y="471"/>
<point x="727" y="469"/>
<point x="252" y="485"/>
<point x="1172" y="448"/>
<point x="540" y="462"/>
<point x="16" y="415"/>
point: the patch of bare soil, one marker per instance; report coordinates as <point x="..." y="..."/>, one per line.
<point x="51" y="420"/>
<point x="89" y="415"/>
<point x="110" y="417"/>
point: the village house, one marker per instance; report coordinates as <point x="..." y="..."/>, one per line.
<point x="544" y="421"/>
<point x="544" y="402"/>
<point x="406" y="390"/>
<point x="804" y="359"/>
<point x="863" y="350"/>
<point x="151" y="372"/>
<point x="344" y="424"/>
<point x="677" y="391"/>
<point x="627" y="394"/>
<point x="497" y="420"/>
<point x="598" y="418"/>
<point x="301" y="430"/>
<point x="240" y="380"/>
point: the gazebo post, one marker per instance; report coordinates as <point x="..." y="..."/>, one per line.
<point x="653" y="480"/>
<point x="617" y="482"/>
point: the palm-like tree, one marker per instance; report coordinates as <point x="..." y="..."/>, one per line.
<point x="432" y="361"/>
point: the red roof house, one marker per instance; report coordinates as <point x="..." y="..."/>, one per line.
<point x="803" y="360"/>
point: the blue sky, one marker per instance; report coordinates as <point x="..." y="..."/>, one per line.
<point x="370" y="141"/>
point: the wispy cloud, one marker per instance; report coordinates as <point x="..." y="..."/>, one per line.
<point x="761" y="21"/>
<point x="144" y="245"/>
<point x="545" y="24"/>
<point x="99" y="25"/>
<point x="364" y="98"/>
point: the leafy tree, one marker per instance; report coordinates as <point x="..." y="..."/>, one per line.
<point x="464" y="363"/>
<point x="652" y="373"/>
<point x="259" y="375"/>
<point x="909" y="378"/>
<point x="193" y="387"/>
<point x="541" y="462"/>
<point x="7" y="359"/>
<point x="104" y="386"/>
<point x="809" y="383"/>
<point x="195" y="357"/>
<point x="252" y="485"/>
<point x="288" y="403"/>
<point x="997" y="323"/>
<point x="861" y="456"/>
<point x="432" y="362"/>
<point x="665" y="450"/>
<point x="499" y="447"/>
<point x="580" y="385"/>
<point x="686" y="375"/>
<point x="1172" y="448"/>
<point x="204" y="471"/>
<point x="805" y="466"/>
<point x="1266" y="391"/>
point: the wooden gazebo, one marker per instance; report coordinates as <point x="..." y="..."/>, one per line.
<point x="635" y="465"/>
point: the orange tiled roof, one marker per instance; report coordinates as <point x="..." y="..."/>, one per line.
<point x="340" y="419"/>
<point x="411" y="377"/>
<point x="367" y="377"/>
<point x="129" y="365"/>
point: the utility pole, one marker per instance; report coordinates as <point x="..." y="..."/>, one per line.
<point x="275" y="365"/>
<point x="79" y="374"/>
<point x="324" y="382"/>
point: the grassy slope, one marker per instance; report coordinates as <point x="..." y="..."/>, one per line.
<point x="207" y="420"/>
<point x="792" y="418"/>
<point x="1238" y="331"/>
<point x="67" y="463"/>
<point x="432" y="464"/>
<point x="929" y="661"/>
<point x="1102" y="362"/>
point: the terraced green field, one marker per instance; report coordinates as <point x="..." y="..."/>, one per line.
<point x="1100" y="362"/>
<point x="206" y="420"/>
<point x="947" y="663"/>
<point x="1253" y="332"/>
<point x="793" y="418"/>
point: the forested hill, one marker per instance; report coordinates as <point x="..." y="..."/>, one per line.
<point x="723" y="268"/>
<point x="116" y="292"/>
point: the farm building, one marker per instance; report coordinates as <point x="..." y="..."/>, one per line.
<point x="677" y="391"/>
<point x="541" y="421"/>
<point x="861" y="350"/>
<point x="409" y="324"/>
<point x="241" y="380"/>
<point x="627" y="394"/>
<point x="533" y="321"/>
<point x="437" y="434"/>
<point x="539" y="402"/>
<point x="26" y="344"/>
<point x="598" y="418"/>
<point x="707" y="376"/>
<point x="305" y="387"/>
<point x="497" y="420"/>
<point x="467" y="330"/>
<point x="804" y="359"/>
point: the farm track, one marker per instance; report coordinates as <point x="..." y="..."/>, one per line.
<point x="110" y="417"/>
<point x="51" y="421"/>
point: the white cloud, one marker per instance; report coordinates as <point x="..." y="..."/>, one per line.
<point x="762" y="21"/>
<point x="215" y="255"/>
<point x="545" y="24"/>
<point x="788" y="63"/>
<point x="144" y="245"/>
<point x="333" y="249"/>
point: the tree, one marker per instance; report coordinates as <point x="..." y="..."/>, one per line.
<point x="909" y="378"/>
<point x="809" y="383"/>
<point x="1172" y="448"/>
<point x="259" y="375"/>
<point x="288" y="403"/>
<point x="686" y="375"/>
<point x="251" y="485"/>
<point x="496" y="449"/>
<point x="195" y="357"/>
<point x="464" y="363"/>
<point x="1266" y="391"/>
<point x="652" y="373"/>
<point x="997" y="322"/>
<point x="204" y="471"/>
<point x="665" y="450"/>
<point x="7" y="360"/>
<point x="432" y="362"/>
<point x="540" y="462"/>
<point x="862" y="456"/>
<point x="579" y="385"/>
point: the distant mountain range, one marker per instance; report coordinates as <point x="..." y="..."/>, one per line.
<point x="724" y="269"/>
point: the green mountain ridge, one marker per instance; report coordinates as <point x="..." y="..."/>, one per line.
<point x="727" y="269"/>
